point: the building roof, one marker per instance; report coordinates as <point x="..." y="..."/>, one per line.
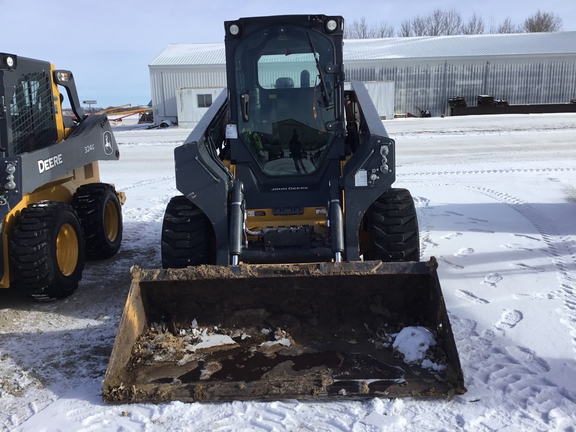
<point x="461" y="46"/>
<point x="513" y="44"/>
<point x="191" y="54"/>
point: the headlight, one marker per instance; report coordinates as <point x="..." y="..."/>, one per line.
<point x="62" y="76"/>
<point x="331" y="25"/>
<point x="234" y="29"/>
<point x="7" y="61"/>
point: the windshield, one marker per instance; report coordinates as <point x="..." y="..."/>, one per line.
<point x="284" y="100"/>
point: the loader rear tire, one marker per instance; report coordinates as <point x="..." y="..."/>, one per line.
<point x="47" y="250"/>
<point x="100" y="214"/>
<point x="393" y="228"/>
<point x="185" y="235"/>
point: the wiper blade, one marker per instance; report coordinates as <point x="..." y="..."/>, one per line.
<point x="323" y="88"/>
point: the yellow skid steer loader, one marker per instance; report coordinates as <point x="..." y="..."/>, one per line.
<point x="54" y="211"/>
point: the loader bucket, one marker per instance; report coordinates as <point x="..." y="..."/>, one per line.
<point x="269" y="332"/>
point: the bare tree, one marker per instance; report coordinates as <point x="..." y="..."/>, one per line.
<point x="419" y="26"/>
<point x="357" y="30"/>
<point x="507" y="26"/>
<point x="361" y="30"/>
<point x="442" y="23"/>
<point x="384" y="31"/>
<point x="405" y="29"/>
<point x="542" y="22"/>
<point x="492" y="28"/>
<point x="436" y="24"/>
<point x="475" y="25"/>
<point x="452" y="23"/>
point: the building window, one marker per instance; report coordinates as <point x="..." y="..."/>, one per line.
<point x="204" y="100"/>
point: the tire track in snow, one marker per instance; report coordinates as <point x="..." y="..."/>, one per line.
<point x="516" y="369"/>
<point x="144" y="183"/>
<point x="489" y="171"/>
<point x="508" y="382"/>
<point x="559" y="247"/>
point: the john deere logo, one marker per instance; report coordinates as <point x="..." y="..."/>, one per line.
<point x="108" y="143"/>
<point x="48" y="164"/>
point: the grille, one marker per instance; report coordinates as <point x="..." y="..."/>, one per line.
<point x="32" y="114"/>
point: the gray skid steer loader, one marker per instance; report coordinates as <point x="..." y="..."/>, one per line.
<point x="291" y="266"/>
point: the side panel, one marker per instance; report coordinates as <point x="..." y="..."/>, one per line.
<point x="369" y="172"/>
<point x="91" y="141"/>
<point x="201" y="176"/>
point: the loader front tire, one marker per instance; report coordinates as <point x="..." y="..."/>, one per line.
<point x="47" y="250"/>
<point x="185" y="235"/>
<point x="100" y="214"/>
<point x="393" y="228"/>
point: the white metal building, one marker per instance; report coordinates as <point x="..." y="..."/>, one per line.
<point x="424" y="72"/>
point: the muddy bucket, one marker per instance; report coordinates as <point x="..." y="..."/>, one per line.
<point x="298" y="331"/>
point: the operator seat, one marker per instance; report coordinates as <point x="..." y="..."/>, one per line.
<point x="284" y="82"/>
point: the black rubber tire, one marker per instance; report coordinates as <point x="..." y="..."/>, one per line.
<point x="100" y="215"/>
<point x="185" y="235"/>
<point x="394" y="234"/>
<point x="47" y="250"/>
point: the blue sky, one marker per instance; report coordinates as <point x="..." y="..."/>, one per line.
<point x="108" y="44"/>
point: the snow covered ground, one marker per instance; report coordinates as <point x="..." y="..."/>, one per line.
<point x="496" y="198"/>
